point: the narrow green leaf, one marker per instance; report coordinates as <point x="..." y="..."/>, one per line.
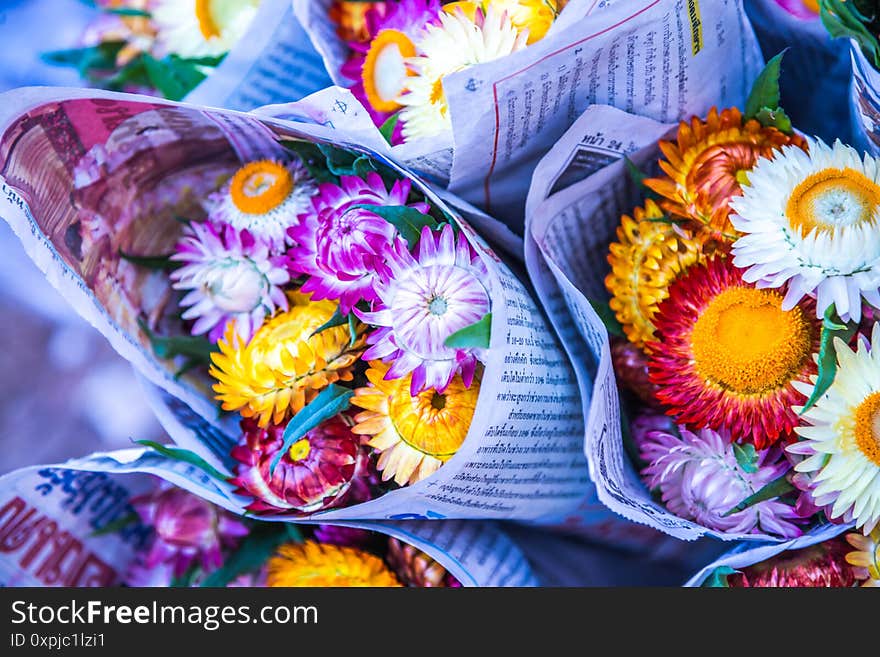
<point x="128" y="11"/>
<point x="172" y="76"/>
<point x="609" y="319"/>
<point x="253" y="551"/>
<point x="388" y="127"/>
<point x="831" y="328"/>
<point x="765" y="91"/>
<point x="331" y="402"/>
<point x="101" y="57"/>
<point x="162" y="262"/>
<point x="184" y="581"/>
<point x="774" y="118"/>
<point x="718" y="577"/>
<point x="352" y="329"/>
<point x="113" y="527"/>
<point x="195" y="347"/>
<point x="746" y="457"/>
<point x="312" y="157"/>
<point x="336" y="319"/>
<point x="408" y="221"/>
<point x="476" y="336"/>
<point x="776" y="488"/>
<point x="638" y="177"/>
<point x="843" y="19"/>
<point x="186" y="456"/>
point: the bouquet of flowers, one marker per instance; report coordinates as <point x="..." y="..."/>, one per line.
<point x="747" y="290"/>
<point x="159" y="46"/>
<point x="832" y="559"/>
<point x="399" y="51"/>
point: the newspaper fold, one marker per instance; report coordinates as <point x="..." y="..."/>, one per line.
<point x="86" y="176"/>
<point x="663" y="59"/>
<point x="57" y="529"/>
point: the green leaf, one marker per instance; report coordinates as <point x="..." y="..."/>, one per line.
<point x="128" y="11"/>
<point x="843" y="19"/>
<point x="184" y="581"/>
<point x="331" y="402"/>
<point x="116" y="525"/>
<point x="609" y="319"/>
<point x="352" y="330"/>
<point x="172" y="76"/>
<point x="476" y="336"/>
<point x="312" y="157"/>
<point x="765" y="91"/>
<point x="638" y="177"/>
<point x="775" y="118"/>
<point x="101" y="57"/>
<point x="746" y="457"/>
<point x="336" y="319"/>
<point x="253" y="551"/>
<point x="831" y="328"/>
<point x="196" y="346"/>
<point x="718" y="577"/>
<point x="776" y="488"/>
<point x="186" y="456"/>
<point x="388" y="127"/>
<point x="162" y="262"/>
<point x="408" y="221"/>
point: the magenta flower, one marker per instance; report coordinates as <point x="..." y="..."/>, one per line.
<point x="408" y="17"/>
<point x="699" y="479"/>
<point x="342" y="248"/>
<point x="422" y="300"/>
<point x="228" y="276"/>
<point x="187" y="529"/>
<point x="315" y="473"/>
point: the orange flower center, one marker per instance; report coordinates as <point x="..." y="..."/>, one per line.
<point x="300" y="450"/>
<point x="384" y="72"/>
<point x="432" y="423"/>
<point x="868" y="427"/>
<point x="832" y="198"/>
<point x="206" y="19"/>
<point x="260" y="187"/>
<point x="745" y="342"/>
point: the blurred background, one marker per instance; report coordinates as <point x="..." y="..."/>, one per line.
<point x="64" y="392"/>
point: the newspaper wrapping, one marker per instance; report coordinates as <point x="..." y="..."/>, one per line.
<point x="663" y="59"/>
<point x="82" y="175"/>
<point x="58" y="528"/>
<point x="579" y="191"/>
<point x="816" y="68"/>
<point x="748" y="554"/>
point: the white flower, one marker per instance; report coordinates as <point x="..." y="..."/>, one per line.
<point x="842" y="447"/>
<point x="812" y="220"/>
<point x="454" y="44"/>
<point x="202" y="28"/>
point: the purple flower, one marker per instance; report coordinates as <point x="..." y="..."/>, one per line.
<point x="700" y="479"/>
<point x="342" y="248"/>
<point x="422" y="300"/>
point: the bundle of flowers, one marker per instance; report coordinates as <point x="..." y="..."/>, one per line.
<point x="159" y="46"/>
<point x="195" y="543"/>
<point x="746" y="288"/>
<point x="844" y="560"/>
<point x="399" y="51"/>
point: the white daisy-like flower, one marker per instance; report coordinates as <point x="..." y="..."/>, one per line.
<point x="228" y="276"/>
<point x="451" y="45"/>
<point x="202" y="28"/>
<point x="842" y="445"/>
<point x="812" y="220"/>
<point x="264" y="198"/>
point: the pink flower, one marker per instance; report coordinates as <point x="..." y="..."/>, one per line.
<point x="342" y="248"/>
<point x="187" y="529"/>
<point x="422" y="300"/>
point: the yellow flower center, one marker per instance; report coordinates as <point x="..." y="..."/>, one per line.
<point x="745" y="342"/>
<point x="812" y="5"/>
<point x="300" y="450"/>
<point x="833" y="198"/>
<point x="384" y="72"/>
<point x="868" y="427"/>
<point x="206" y="19"/>
<point x="260" y="187"/>
<point x="432" y="423"/>
<point x="314" y="564"/>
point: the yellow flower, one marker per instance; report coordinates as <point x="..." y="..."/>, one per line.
<point x="647" y="258"/>
<point x="284" y="366"/>
<point x="319" y="564"/>
<point x="413" y="435"/>
<point x="536" y="16"/>
<point x="866" y="557"/>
